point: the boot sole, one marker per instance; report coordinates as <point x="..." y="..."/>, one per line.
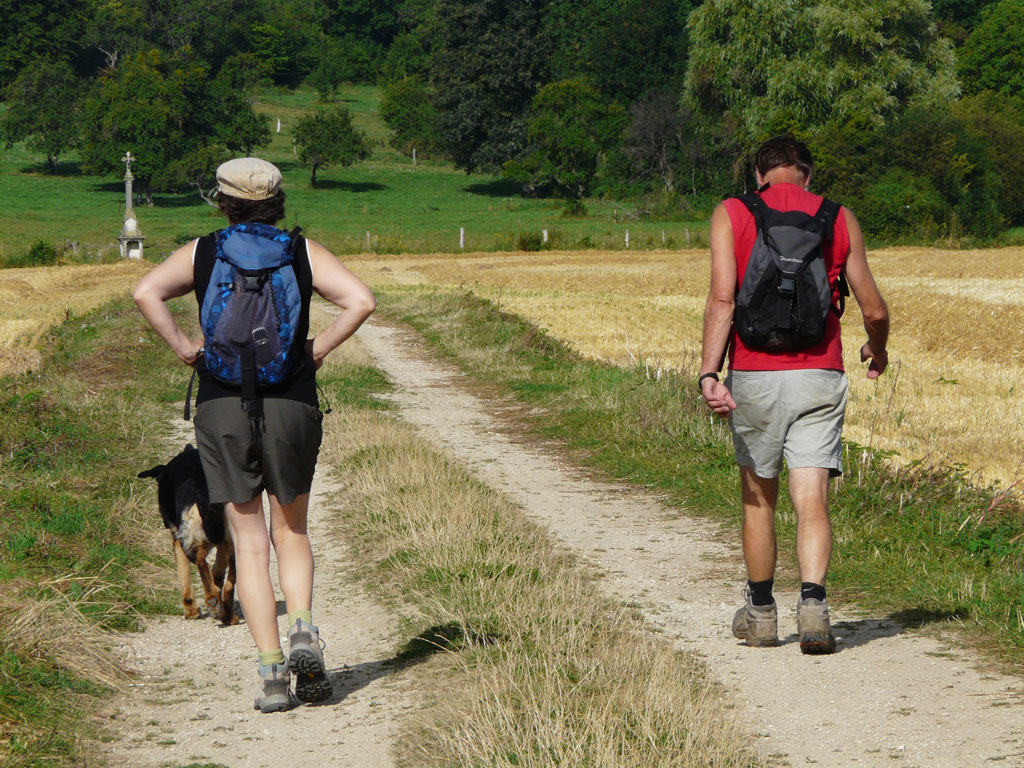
<point x="816" y="646"/>
<point x="311" y="683"/>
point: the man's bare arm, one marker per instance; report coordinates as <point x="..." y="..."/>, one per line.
<point x="718" y="312"/>
<point x="869" y="298"/>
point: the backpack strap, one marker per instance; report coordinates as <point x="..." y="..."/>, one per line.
<point x="826" y="217"/>
<point x="757" y="208"/>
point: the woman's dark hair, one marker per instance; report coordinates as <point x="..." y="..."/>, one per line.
<point x="269" y="211"/>
<point x="782" y="151"/>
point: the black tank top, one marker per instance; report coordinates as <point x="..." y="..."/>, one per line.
<point x="300" y="383"/>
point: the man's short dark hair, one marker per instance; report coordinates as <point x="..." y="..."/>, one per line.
<point x="269" y="211"/>
<point x="782" y="151"/>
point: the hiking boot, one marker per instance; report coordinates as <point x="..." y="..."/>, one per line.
<point x="757" y="624"/>
<point x="813" y="627"/>
<point x="274" y="694"/>
<point x="306" y="660"/>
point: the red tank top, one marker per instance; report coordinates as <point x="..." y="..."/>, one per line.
<point x="829" y="352"/>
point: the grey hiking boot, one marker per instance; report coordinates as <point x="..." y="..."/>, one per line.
<point x="813" y="626"/>
<point x="758" y="625"/>
<point x="274" y="694"/>
<point x="306" y="660"/>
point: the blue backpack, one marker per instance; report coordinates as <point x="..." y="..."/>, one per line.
<point x="251" y="310"/>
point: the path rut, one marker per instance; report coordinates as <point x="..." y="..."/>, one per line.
<point x="191" y="700"/>
<point x="889" y="696"/>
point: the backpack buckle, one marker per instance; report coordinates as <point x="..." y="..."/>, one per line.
<point x="787" y="286"/>
<point x="254" y="283"/>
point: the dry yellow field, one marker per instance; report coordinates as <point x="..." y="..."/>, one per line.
<point x="36" y="298"/>
<point x="954" y="389"/>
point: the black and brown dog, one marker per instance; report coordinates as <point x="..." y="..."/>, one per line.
<point x="196" y="527"/>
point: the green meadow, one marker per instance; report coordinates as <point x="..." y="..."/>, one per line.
<point x="404" y="207"/>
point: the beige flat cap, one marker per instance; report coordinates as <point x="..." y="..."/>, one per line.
<point x="248" y="178"/>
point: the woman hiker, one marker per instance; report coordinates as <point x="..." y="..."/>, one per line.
<point x="255" y="435"/>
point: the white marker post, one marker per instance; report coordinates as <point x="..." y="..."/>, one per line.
<point x="543" y="235"/>
<point x="462" y="238"/>
<point x="627" y="238"/>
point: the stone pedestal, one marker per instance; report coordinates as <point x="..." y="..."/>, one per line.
<point x="131" y="238"/>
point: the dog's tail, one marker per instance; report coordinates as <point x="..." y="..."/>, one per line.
<point x="154" y="472"/>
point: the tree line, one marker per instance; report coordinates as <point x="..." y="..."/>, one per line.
<point x="912" y="108"/>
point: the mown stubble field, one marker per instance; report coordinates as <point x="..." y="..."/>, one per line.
<point x="953" y="390"/>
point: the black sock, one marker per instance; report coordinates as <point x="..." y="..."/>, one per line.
<point x="810" y="589"/>
<point x="761" y="592"/>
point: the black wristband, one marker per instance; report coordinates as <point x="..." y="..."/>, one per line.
<point x="700" y="379"/>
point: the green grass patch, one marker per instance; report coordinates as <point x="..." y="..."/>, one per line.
<point x="919" y="542"/>
<point x="405" y="208"/>
<point x="76" y="523"/>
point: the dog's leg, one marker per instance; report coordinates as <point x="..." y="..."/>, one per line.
<point x="220" y="565"/>
<point x="209" y="589"/>
<point x="185" y="580"/>
<point x="227" y="594"/>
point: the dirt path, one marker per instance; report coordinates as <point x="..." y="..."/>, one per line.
<point x="191" y="700"/>
<point x="888" y="697"/>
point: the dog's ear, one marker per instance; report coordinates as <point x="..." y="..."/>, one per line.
<point x="154" y="472"/>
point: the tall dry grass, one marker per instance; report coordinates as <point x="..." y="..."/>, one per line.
<point x="544" y="670"/>
<point x="957" y="337"/>
<point x="34" y="299"/>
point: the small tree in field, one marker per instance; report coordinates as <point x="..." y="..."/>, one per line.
<point x="329" y="138"/>
<point x="42" y="109"/>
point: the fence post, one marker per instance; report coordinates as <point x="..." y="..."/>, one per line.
<point x="687" y="235"/>
<point x="627" y="238"/>
<point x="543" y="235"/>
<point x="663" y="237"/>
<point x="462" y="238"/>
<point x="279" y="125"/>
<point x="414" y="155"/>
<point x="367" y="239"/>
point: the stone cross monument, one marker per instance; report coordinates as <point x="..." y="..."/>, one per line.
<point x="131" y="238"/>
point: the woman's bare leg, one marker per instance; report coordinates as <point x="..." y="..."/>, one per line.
<point x="294" y="555"/>
<point x="252" y="561"/>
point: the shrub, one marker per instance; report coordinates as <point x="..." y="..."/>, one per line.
<point x="574" y="209"/>
<point x="531" y="241"/>
<point x="902" y="205"/>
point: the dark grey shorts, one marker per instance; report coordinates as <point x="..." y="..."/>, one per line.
<point x="241" y="457"/>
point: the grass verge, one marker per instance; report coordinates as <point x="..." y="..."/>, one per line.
<point x="919" y="542"/>
<point x="542" y="670"/>
<point x="79" y="543"/>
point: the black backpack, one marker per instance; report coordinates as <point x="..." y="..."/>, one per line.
<point x="785" y="297"/>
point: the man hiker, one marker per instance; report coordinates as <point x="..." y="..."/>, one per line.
<point x="785" y="393"/>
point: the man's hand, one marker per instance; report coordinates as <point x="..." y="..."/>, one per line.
<point x="879" y="360"/>
<point x="717" y="396"/>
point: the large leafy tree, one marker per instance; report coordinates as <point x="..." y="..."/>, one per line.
<point x="488" y="60"/>
<point x="759" y="67"/>
<point x="34" y="29"/>
<point x="329" y="138"/>
<point x="992" y="58"/>
<point x="167" y="111"/>
<point x="42" y="107"/>
<point x="570" y="130"/>
<point x="626" y="47"/>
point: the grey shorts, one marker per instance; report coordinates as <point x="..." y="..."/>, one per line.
<point x="793" y="414"/>
<point x="242" y="457"/>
